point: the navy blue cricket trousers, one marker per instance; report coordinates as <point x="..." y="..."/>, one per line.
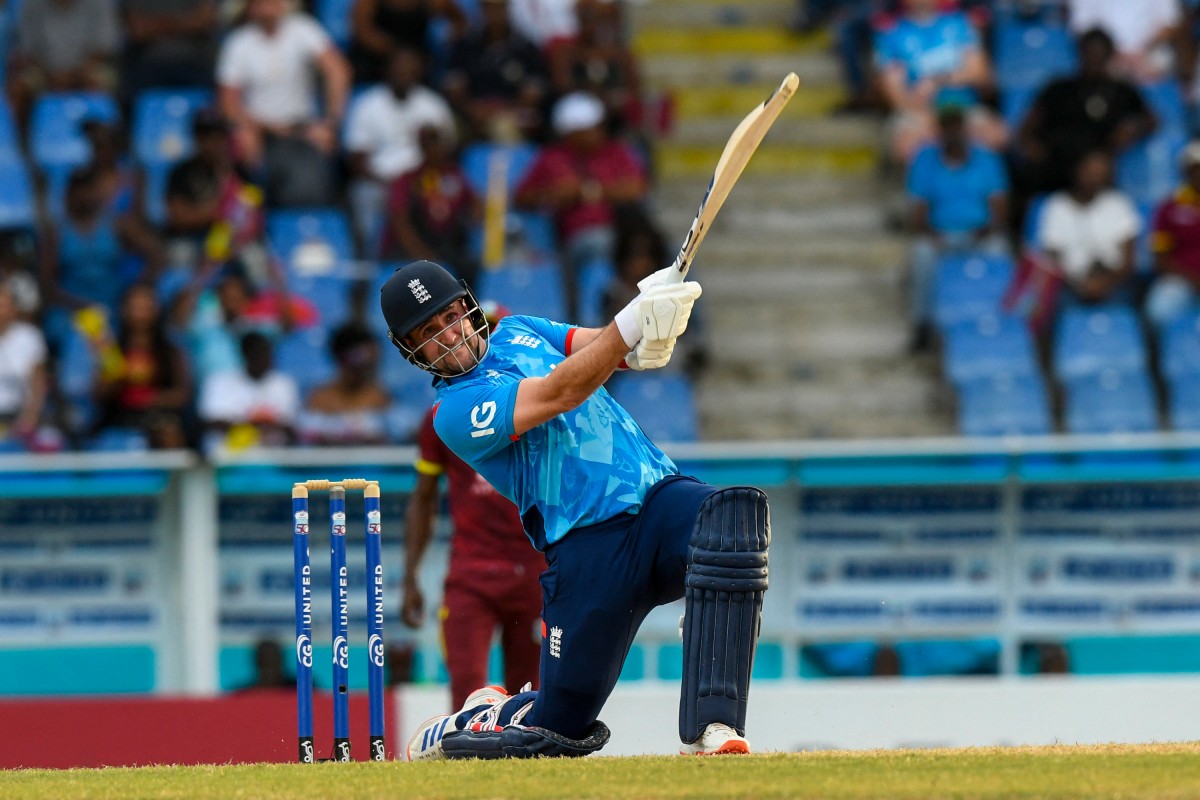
<point x="602" y="581"/>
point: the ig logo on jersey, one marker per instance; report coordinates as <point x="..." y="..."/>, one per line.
<point x="481" y="419"/>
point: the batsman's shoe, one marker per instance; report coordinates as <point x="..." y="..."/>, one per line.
<point x="718" y="739"/>
<point x="426" y="743"/>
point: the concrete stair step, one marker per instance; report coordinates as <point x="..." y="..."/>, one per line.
<point x="861" y="251"/>
<point x="803" y="286"/>
<point x="669" y="40"/>
<point x="709" y="14"/>
<point x="738" y="69"/>
<point x="739" y="217"/>
<point x="797" y="192"/>
<point x="737" y="100"/>
<point x="889" y="405"/>
<point x="791" y="129"/>
<point x="676" y="161"/>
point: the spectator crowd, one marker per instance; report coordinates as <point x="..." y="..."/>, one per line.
<point x="200" y="198"/>
<point x="1051" y="183"/>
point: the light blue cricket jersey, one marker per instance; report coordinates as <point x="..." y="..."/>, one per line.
<point x="582" y="467"/>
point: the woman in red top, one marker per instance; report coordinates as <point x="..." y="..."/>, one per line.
<point x="150" y="393"/>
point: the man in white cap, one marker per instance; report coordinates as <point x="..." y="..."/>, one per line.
<point x="581" y="178"/>
<point x="1175" y="242"/>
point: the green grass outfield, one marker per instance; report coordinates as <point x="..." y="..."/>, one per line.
<point x="1110" y="772"/>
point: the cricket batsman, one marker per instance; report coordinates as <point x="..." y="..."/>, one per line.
<point x="621" y="530"/>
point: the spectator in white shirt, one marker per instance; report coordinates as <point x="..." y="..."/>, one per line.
<point x="381" y="136"/>
<point x="1143" y="31"/>
<point x="1088" y="231"/>
<point x="255" y="405"/>
<point x="22" y="371"/>
<point x="266" y="77"/>
<point x="544" y="22"/>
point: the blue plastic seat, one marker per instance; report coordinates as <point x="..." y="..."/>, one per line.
<point x="969" y="286"/>
<point x="56" y="126"/>
<point x="10" y="138"/>
<point x="989" y="346"/>
<point x="1185" y="402"/>
<point x="476" y="160"/>
<point x="1015" y="103"/>
<point x="1149" y="171"/>
<point x="1092" y="340"/>
<point x="594" y="278"/>
<point x="1031" y="225"/>
<point x="304" y="355"/>
<point x="334" y="15"/>
<point x="18" y="208"/>
<point x="1111" y="401"/>
<point x="663" y="405"/>
<point x="534" y="290"/>
<point x="1180" y="353"/>
<point x="154" y="191"/>
<point x="1030" y="55"/>
<point x="118" y="440"/>
<point x="162" y="123"/>
<point x="1004" y="405"/>
<point x="1165" y="97"/>
<point x="316" y="249"/>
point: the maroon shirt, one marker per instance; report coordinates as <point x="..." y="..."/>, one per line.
<point x="1177" y="230"/>
<point x="487" y="527"/>
<point x="613" y="162"/>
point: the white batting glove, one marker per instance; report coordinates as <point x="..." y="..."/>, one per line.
<point x="663" y="311"/>
<point x="663" y="277"/>
<point x="650" y="355"/>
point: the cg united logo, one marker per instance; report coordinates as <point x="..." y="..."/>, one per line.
<point x="304" y="650"/>
<point x="375" y="647"/>
<point x="341" y="652"/>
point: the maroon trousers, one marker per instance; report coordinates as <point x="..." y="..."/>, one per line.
<point x="478" y="600"/>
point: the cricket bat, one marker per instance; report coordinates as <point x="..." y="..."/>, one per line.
<point x="741" y="146"/>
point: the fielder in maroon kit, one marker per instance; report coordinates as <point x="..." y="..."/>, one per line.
<point x="492" y="580"/>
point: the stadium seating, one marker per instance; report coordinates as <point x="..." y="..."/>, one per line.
<point x="525" y="289"/>
<point x="316" y="249"/>
<point x="969" y="286"/>
<point x="1091" y="340"/>
<point x="1184" y="396"/>
<point x="162" y="124"/>
<point x="304" y="354"/>
<point x="1179" y="355"/>
<point x="1149" y="171"/>
<point x="18" y="206"/>
<point x="56" y="128"/>
<point x="10" y="139"/>
<point x="334" y="15"/>
<point x="1110" y="401"/>
<point x="476" y="158"/>
<point x="1003" y="405"/>
<point x="1166" y="99"/>
<point x="594" y="278"/>
<point x="1029" y="55"/>
<point x="1015" y="102"/>
<point x="663" y="405"/>
<point x="991" y="345"/>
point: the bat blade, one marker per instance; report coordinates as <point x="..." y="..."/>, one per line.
<point x="741" y="146"/>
